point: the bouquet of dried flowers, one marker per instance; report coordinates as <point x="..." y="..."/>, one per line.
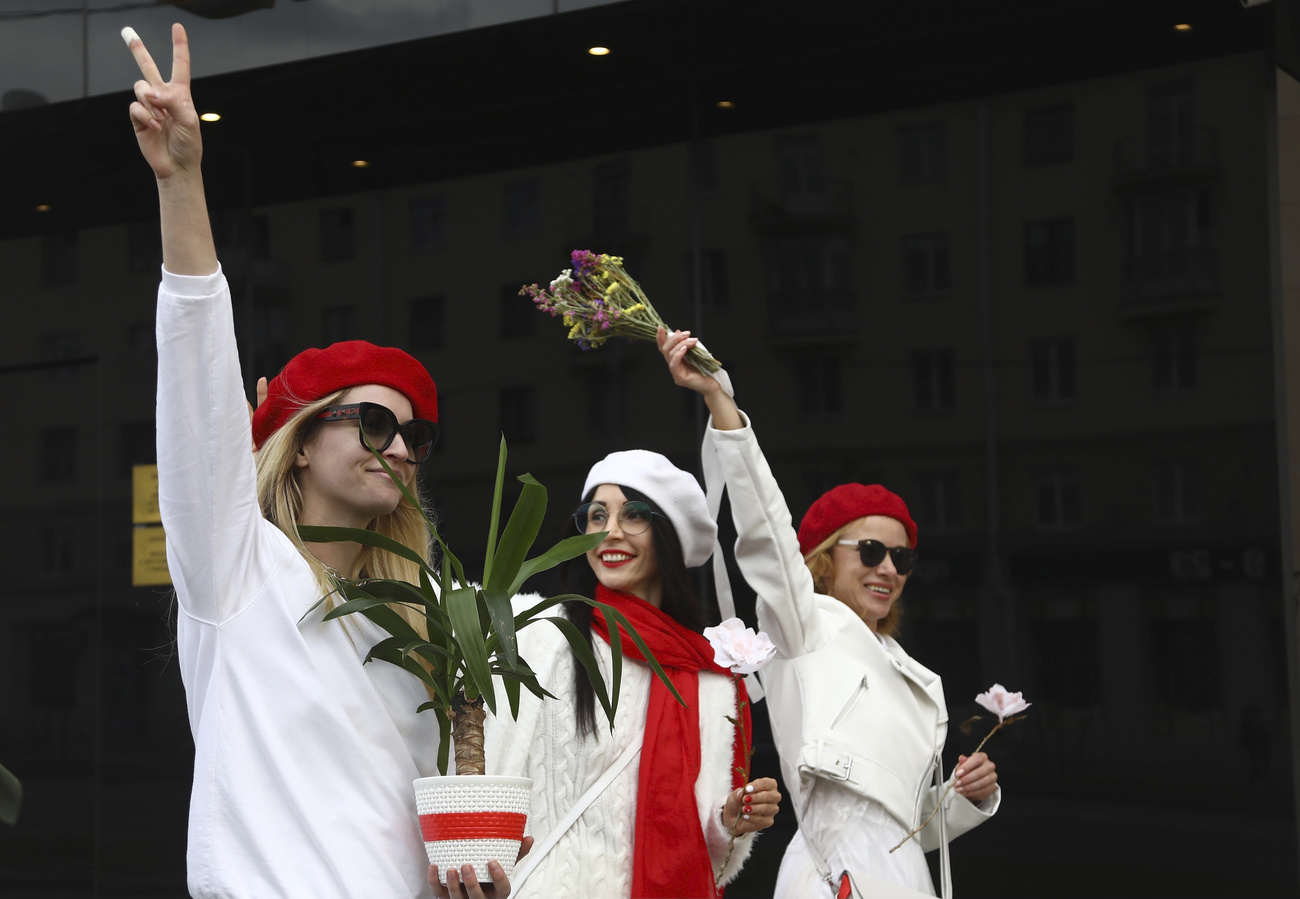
<point x="598" y="300"/>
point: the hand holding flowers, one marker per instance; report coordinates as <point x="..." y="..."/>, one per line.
<point x="598" y="300"/>
<point x="754" y="806"/>
<point x="976" y="773"/>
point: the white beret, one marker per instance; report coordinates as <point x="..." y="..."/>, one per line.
<point x="675" y="492"/>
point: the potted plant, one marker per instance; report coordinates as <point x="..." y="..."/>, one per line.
<point x="468" y="644"/>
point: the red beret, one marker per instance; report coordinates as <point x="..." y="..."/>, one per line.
<point x="849" y="502"/>
<point x="315" y="373"/>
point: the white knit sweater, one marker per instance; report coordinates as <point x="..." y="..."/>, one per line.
<point x="594" y="858"/>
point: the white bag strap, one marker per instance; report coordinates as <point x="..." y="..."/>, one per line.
<point x="534" y="858"/>
<point x="945" y="867"/>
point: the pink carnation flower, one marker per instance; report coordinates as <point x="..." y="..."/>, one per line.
<point x="1001" y="703"/>
<point x="738" y="648"/>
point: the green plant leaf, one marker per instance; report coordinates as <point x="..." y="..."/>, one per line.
<point x="489" y="557"/>
<point x="578" y="643"/>
<point x="444" y="741"/>
<point x="11" y="796"/>
<point x="568" y="548"/>
<point x="503" y="621"/>
<point x="353" y="606"/>
<point x="318" y="534"/>
<point x="462" y="607"/>
<point x="520" y="533"/>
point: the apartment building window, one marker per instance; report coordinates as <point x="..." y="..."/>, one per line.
<point x="1177" y="491"/>
<point x="799" y="163"/>
<point x="518" y="315"/>
<point x="1058" y="503"/>
<point x="427" y="322"/>
<point x="933" y="387"/>
<point x="517" y="407"/>
<point x="59" y="258"/>
<point x="1049" y="252"/>
<point x="820" y="384"/>
<point x="936" y="500"/>
<point x="612" y="211"/>
<point x="523" y="206"/>
<point x="1184" y="654"/>
<point x="143" y="247"/>
<point x="712" y="283"/>
<point x="339" y="323"/>
<point x="58" y="346"/>
<point x="270" y="349"/>
<point x="926" y="265"/>
<point x="923" y="153"/>
<point x="1049" y="135"/>
<point x="1065" y="650"/>
<point x="337" y="234"/>
<point x="1052" y="370"/>
<point x="1171" y="124"/>
<point x="136" y="445"/>
<point x="428" y="223"/>
<point x="1173" y="355"/>
<point x="1170" y="248"/>
<point x="58" y="454"/>
<point x="810" y="273"/>
<point x="58" y="549"/>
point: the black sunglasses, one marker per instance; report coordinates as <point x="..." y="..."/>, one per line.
<point x="873" y="552"/>
<point x="378" y="426"/>
<point x="633" y="518"/>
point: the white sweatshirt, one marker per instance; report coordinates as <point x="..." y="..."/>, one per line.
<point x="594" y="857"/>
<point x="303" y="756"/>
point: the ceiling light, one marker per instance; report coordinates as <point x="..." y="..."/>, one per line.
<point x="598" y="51"/>
<point x="211" y="117"/>
<point x="726" y="104"/>
<point x="43" y="207"/>
<point x="1182" y="26"/>
<point x="360" y="163"/>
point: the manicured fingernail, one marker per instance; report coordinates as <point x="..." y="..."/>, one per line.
<point x="749" y="788"/>
<point x="746" y="817"/>
<point x="128" y="35"/>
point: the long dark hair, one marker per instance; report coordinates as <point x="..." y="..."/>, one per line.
<point x="679" y="600"/>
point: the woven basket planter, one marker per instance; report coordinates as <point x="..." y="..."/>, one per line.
<point x="472" y="819"/>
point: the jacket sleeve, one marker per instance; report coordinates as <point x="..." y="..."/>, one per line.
<point x="767" y="549"/>
<point x="207" y="481"/>
<point x="962" y="815"/>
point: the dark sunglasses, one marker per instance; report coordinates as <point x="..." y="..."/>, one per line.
<point x="634" y="518"/>
<point x="873" y="553"/>
<point x="378" y="426"/>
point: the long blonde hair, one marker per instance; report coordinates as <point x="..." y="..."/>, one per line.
<point x="820" y="566"/>
<point x="280" y="496"/>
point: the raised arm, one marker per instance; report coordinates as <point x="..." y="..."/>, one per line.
<point x="767" y="549"/>
<point x="167" y="129"/>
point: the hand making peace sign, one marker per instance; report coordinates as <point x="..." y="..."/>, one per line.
<point x="166" y="124"/>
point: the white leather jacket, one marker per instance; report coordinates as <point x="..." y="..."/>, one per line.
<point x="843" y="705"/>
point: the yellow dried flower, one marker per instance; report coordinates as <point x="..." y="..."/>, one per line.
<point x="634" y="308"/>
<point x="575" y="330"/>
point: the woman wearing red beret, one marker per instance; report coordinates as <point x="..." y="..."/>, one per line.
<point x="304" y="756"/>
<point x="858" y="723"/>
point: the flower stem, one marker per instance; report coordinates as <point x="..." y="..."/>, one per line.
<point x="938" y="805"/>
<point x="731" y="844"/>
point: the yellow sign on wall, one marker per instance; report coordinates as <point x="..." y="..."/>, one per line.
<point x="144" y="494"/>
<point x="149" y="556"/>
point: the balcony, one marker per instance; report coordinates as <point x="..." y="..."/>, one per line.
<point x="812" y="317"/>
<point x="1177" y="281"/>
<point x="1141" y="164"/>
<point x="778" y="208"/>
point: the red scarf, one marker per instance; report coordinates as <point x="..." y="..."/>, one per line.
<point x="670" y="857"/>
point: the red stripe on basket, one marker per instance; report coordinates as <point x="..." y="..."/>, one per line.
<point x="473" y="826"/>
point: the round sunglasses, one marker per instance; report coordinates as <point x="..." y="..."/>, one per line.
<point x="872" y="553"/>
<point x="633" y="519"/>
<point x="377" y="426"/>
